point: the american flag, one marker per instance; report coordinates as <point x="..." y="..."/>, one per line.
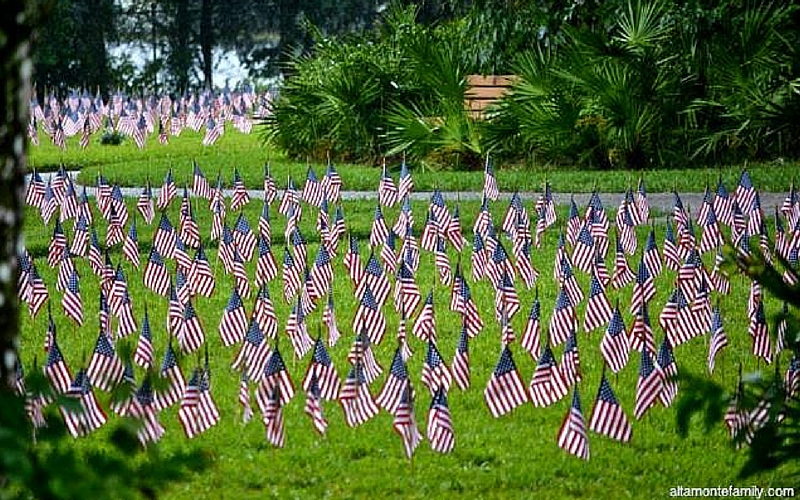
<point x="233" y="324"/>
<point x="168" y="191"/>
<point x="572" y="434"/>
<point x="651" y="256"/>
<point x="608" y="418"/>
<point x="214" y="130"/>
<point x="547" y="385"/>
<point x="440" y="430"/>
<point x="506" y="301"/>
<point x="291" y="275"/>
<point x="200" y="186"/>
<point x="126" y="323"/>
<point x="190" y="401"/>
<point x="460" y="365"/>
<point x="387" y="190"/>
<point x="239" y="198"/>
<point x="453" y="231"/>
<point x="649" y="385"/>
<point x="190" y="333"/>
<point x="429" y="232"/>
<point x="584" y="251"/>
<point x="490" y="189"/>
<point x="625" y="228"/>
<point x="275" y="376"/>
<point x="644" y="289"/>
<point x="244" y="237"/>
<point x="321" y="273"/>
<point x="396" y="384"/>
<point x="369" y="317"/>
<point x="669" y="369"/>
<point x="155" y="275"/>
<point x="563" y="320"/>
<point x="312" y="190"/>
<point x="290" y="199"/>
<point x="712" y="236"/>
<point x="641" y="332"/>
<point x="272" y="416"/>
<point x="622" y="272"/>
<point x="264" y="313"/>
<point x="505" y="390"/>
<point x="736" y="418"/>
<point x="745" y="193"/>
<point x="442" y="262"/>
<point x="598" y="309"/>
<point x="614" y="346"/>
<point x="406" y="185"/>
<point x="671" y="257"/>
<point x="569" y="282"/>
<point x="313" y="407"/>
<point x="164" y="237"/>
<point x="252" y="356"/>
<point x="151" y="429"/>
<point x="759" y="333"/>
<point x="425" y="325"/>
<point x="352" y="262"/>
<point x="58" y="243"/>
<point x="361" y="352"/>
<point x="105" y="369"/>
<point x="89" y="415"/>
<point x="791" y="379"/>
<point x="405" y="424"/>
<point x="531" y="338"/>
<point x="55" y="368"/>
<point x="130" y="247"/>
<point x="570" y="361"/>
<point x="174" y="383"/>
<point x="72" y="302"/>
<point x="406" y="293"/>
<point x="34" y="196"/>
<point x="388" y="252"/>
<point x="297" y="330"/>
<point x="329" y="320"/>
<point x="641" y="202"/>
<point x="244" y="399"/>
<point x="145" y="203"/>
<point x="115" y="234"/>
<point x="143" y="356"/>
<point x="435" y="373"/>
<point x="355" y="398"/>
<point x="374" y="278"/>
<point x="200" y="275"/>
<point x="322" y="373"/>
<point x="332" y="183"/>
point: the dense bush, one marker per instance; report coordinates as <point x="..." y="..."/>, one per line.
<point x="622" y="84"/>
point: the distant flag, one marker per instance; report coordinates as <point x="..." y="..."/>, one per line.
<point x="244" y="237"/>
<point x="130" y="247"/>
<point x="190" y="334"/>
<point x="156" y="275"/>
<point x="239" y="198"/>
<point x="164" y="237"/>
<point x="233" y="325"/>
<point x="369" y="317"/>
<point x="608" y="418"/>
<point x="622" y="272"/>
<point x="440" y="430"/>
<point x="200" y="275"/>
<point x="395" y="385"/>
<point x="168" y="191"/>
<point x="572" y="434"/>
<point x="322" y="373"/>
<point x="143" y="356"/>
<point x="435" y="373"/>
<point x="643" y="289"/>
<point x="406" y="292"/>
<point x="361" y="352"/>
<point x="649" y="385"/>
<point x="312" y="189"/>
<point x="272" y="416"/>
<point x="254" y="353"/>
<point x="759" y="333"/>
<point x="563" y="320"/>
<point x="584" y="251"/>
<point x="547" y="385"/>
<point x="297" y="331"/>
<point x="531" y="338"/>
<point x="200" y="185"/>
<point x="105" y="369"/>
<point x="313" y="407"/>
<point x="641" y="332"/>
<point x="214" y="130"/>
<point x="275" y="376"/>
<point x="89" y="416"/>
<point x="670" y="250"/>
<point x="505" y="390"/>
<point x="460" y="365"/>
<point x="425" y="325"/>
<point x="570" y="361"/>
<point x="356" y="401"/>
<point x="614" y="346"/>
<point x="55" y="368"/>
<point x="598" y="309"/>
<point x="490" y="189"/>
<point x="332" y="183"/>
<point x="329" y="320"/>
<point x="669" y="370"/>
<point x="72" y="302"/>
<point x="387" y="190"/>
<point x="374" y="277"/>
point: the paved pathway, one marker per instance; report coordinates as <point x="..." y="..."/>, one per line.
<point x="658" y="201"/>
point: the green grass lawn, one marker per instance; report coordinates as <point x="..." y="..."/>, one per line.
<point x="130" y="166"/>
<point x="512" y="457"/>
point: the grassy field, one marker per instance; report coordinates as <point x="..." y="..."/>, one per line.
<point x="130" y="166"/>
<point x="512" y="457"/>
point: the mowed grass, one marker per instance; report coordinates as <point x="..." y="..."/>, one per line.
<point x="130" y="166"/>
<point x="515" y="456"/>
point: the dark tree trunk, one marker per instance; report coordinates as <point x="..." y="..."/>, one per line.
<point x="207" y="41"/>
<point x="15" y="86"/>
<point x="182" y="51"/>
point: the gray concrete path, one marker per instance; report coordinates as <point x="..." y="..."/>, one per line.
<point x="659" y="201"/>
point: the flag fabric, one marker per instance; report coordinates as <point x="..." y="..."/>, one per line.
<point x="505" y="390"/>
<point x="89" y="416"/>
<point x="355" y="398"/>
<point x="643" y="289"/>
<point x="460" y="365"/>
<point x="387" y="189"/>
<point x="396" y="384"/>
<point x="369" y="318"/>
<point x="531" y="338"/>
<point x="440" y="431"/>
<point x="435" y="373"/>
<point x="614" y="346"/>
<point x="547" y="385"/>
<point x="425" y="325"/>
<point x="105" y="369"/>
<point x="570" y="362"/>
<point x="322" y="373"/>
<point x="272" y="416"/>
<point x="55" y="368"/>
<point x="404" y="422"/>
<point x="175" y="384"/>
<point x="598" y="309"/>
<point x="572" y="434"/>
<point x="275" y="376"/>
<point x="143" y="356"/>
<point x="168" y="191"/>
<point x="759" y="334"/>
<point x="563" y="320"/>
<point x="253" y="355"/>
<point x="490" y="189"/>
<point x="145" y="204"/>
<point x="72" y="302"/>
<point x="313" y="407"/>
<point x="669" y="369"/>
<point x="200" y="186"/>
<point x="240" y="197"/>
<point x="233" y="324"/>
<point x="155" y="275"/>
<point x="608" y="418"/>
<point x="312" y="189"/>
<point x="649" y="385"/>
<point x="584" y="250"/>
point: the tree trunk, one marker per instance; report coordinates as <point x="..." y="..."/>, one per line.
<point x="15" y="87"/>
<point x="207" y="41"/>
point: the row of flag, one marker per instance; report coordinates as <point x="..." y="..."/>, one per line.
<point x="390" y="272"/>
<point x="138" y="117"/>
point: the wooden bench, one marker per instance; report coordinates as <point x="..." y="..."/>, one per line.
<point x="485" y="90"/>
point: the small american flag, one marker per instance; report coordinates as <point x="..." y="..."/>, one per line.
<point x="759" y="333"/>
<point x="55" y="368"/>
<point x="361" y="352"/>
<point x="563" y="320"/>
<point x="322" y="373"/>
<point x="651" y="256"/>
<point x="669" y="369"/>
<point x="156" y="276"/>
<point x="718" y="338"/>
<point x="175" y="384"/>
<point x="374" y="277"/>
<point x="168" y="191"/>
<point x="547" y="385"/>
<point x="531" y="337"/>
<point x="440" y="430"/>
<point x="145" y="204"/>
<point x="614" y="346"/>
<point x="239" y="198"/>
<point x="598" y="309"/>
<point x="276" y="376"/>
<point x="369" y="317"/>
<point x="313" y="407"/>
<point x="105" y="369"/>
<point x="200" y="275"/>
<point x="387" y="190"/>
<point x="490" y="189"/>
<point x="355" y="398"/>
<point x="570" y="361"/>
<point x="329" y="320"/>
<point x="252" y="356"/>
<point x="505" y="390"/>
<point x="332" y="183"/>
<point x="572" y="435"/>
<point x="425" y="325"/>
<point x="89" y="416"/>
<point x="622" y="272"/>
<point x="233" y="324"/>
<point x="644" y="289"/>
<point x="272" y="415"/>
<point x="460" y="365"/>
<point x="608" y="418"/>
<point x="130" y="247"/>
<point x="584" y="251"/>
<point x="200" y="186"/>
<point x="143" y="356"/>
<point x="312" y="190"/>
<point x="164" y="237"/>
<point x="396" y="384"/>
<point x="406" y="293"/>
<point x="649" y="385"/>
<point x="435" y="373"/>
<point x="72" y="302"/>
<point x="641" y="332"/>
<point x="404" y="422"/>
